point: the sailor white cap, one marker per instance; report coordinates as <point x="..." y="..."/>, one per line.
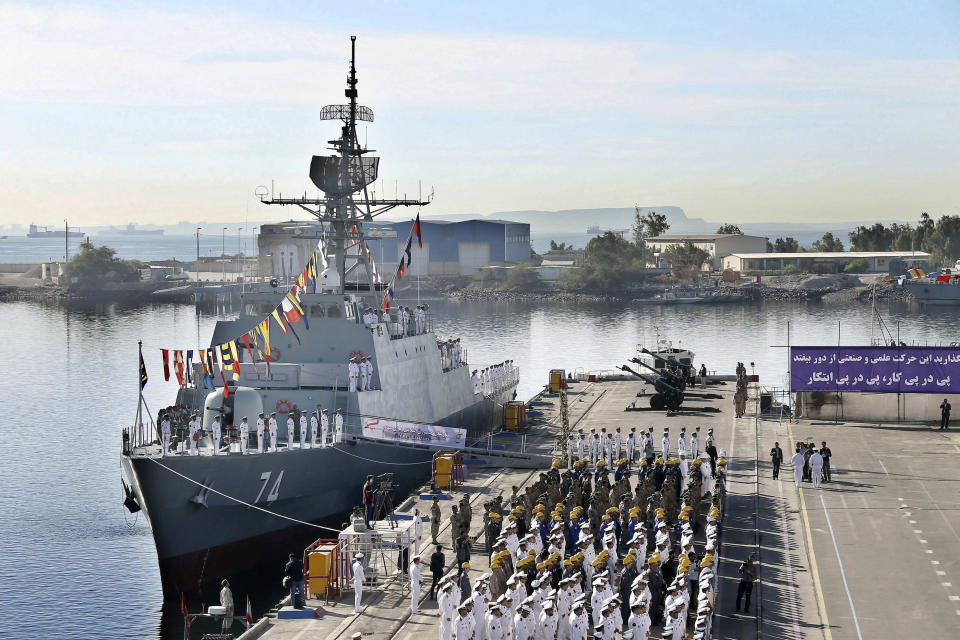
<point x="358" y="555"/>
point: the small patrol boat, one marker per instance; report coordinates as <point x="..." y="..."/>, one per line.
<point x="216" y="515"/>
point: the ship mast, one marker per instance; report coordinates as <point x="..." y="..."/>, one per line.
<point x="344" y="179"/>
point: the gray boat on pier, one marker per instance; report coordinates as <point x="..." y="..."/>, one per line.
<point x="217" y="515"/>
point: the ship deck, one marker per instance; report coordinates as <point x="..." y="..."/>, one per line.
<point x="875" y="553"/>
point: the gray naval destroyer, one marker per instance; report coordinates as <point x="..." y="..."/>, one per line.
<point x="218" y="515"/>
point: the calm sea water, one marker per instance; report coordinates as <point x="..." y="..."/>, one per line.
<point x="70" y="384"/>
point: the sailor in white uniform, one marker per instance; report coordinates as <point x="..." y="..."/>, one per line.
<point x="631" y="444"/>
<point x="303" y="429"/>
<point x="290" y="430"/>
<point x="665" y="443"/>
<point x="338" y="425"/>
<point x="194" y="432"/>
<point x="324" y="427"/>
<point x="682" y="442"/>
<point x="695" y="444"/>
<point x="273" y="431"/>
<point x="357" y="582"/>
<point x="165" y="433"/>
<point x="244" y="435"/>
<point x="353" y="373"/>
<point x="216" y="435"/>
<point x="314" y="426"/>
<point x="415" y="584"/>
<point x="816" y="468"/>
<point x="404" y="321"/>
<point x="617" y="444"/>
<point x="260" y="437"/>
<point x="368" y="367"/>
<point x="797" y="461"/>
<point x="363" y="384"/>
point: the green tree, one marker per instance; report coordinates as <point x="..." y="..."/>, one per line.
<point x="925" y="227"/>
<point x="828" y="242"/>
<point x="649" y="226"/>
<point x="727" y="228"/>
<point x="563" y="246"/>
<point x="786" y="245"/>
<point x="874" y="238"/>
<point x="686" y="256"/>
<point x="943" y="243"/>
<point x="610" y="262"/>
<point x="523" y="277"/>
<point x="97" y="265"/>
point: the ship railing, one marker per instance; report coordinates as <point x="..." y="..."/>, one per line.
<point x="397" y="331"/>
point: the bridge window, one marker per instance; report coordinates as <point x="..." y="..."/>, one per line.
<point x="334" y="311"/>
<point x="316" y="311"/>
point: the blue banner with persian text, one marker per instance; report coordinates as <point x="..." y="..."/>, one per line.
<point x="878" y="369"/>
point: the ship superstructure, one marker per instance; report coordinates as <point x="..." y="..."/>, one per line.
<point x="210" y="514"/>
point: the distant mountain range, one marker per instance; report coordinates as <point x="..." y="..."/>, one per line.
<point x="571" y="225"/>
<point x="568" y="225"/>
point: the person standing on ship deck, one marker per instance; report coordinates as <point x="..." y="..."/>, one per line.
<point x="194" y="425"/>
<point x="362" y="373"/>
<point x="216" y="434"/>
<point x="291" y="430"/>
<point x="353" y="372"/>
<point x="165" y="433"/>
<point x="338" y="425"/>
<point x="273" y="431"/>
<point x="260" y="436"/>
<point x="226" y="601"/>
<point x="244" y="435"/>
<point x="324" y="427"/>
<point x="314" y="426"/>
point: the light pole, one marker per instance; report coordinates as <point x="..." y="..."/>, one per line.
<point x="239" y="270"/>
<point x="223" y="260"/>
<point x="197" y="266"/>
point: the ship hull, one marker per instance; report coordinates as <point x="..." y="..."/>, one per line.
<point x="934" y="293"/>
<point x="202" y="536"/>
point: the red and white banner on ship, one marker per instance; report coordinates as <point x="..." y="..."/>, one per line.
<point x="256" y="341"/>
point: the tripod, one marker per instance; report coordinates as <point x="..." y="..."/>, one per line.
<point x="383" y="499"/>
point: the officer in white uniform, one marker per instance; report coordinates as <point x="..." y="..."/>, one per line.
<point x="216" y="435"/>
<point x="415" y="584"/>
<point x="314" y="426"/>
<point x="338" y="425"/>
<point x="194" y="432"/>
<point x="695" y="444"/>
<point x="682" y="441"/>
<point x="578" y="622"/>
<point x="260" y="437"/>
<point x="631" y="444"/>
<point x="496" y="629"/>
<point x="368" y="367"/>
<point x="357" y="581"/>
<point x="290" y="430"/>
<point x="273" y="431"/>
<point x="324" y="427"/>
<point x="665" y="444"/>
<point x="353" y="372"/>
<point x="617" y="444"/>
<point x="303" y="429"/>
<point x="446" y="607"/>
<point x="165" y="433"/>
<point x="244" y="435"/>
<point x="816" y="468"/>
<point x="797" y="461"/>
<point x="463" y="627"/>
<point x="363" y="383"/>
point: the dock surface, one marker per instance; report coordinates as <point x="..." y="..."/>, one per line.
<point x="873" y="554"/>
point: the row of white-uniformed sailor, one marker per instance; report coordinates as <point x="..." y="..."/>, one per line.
<point x="398" y="319"/>
<point x="493" y="378"/>
<point x="450" y="354"/>
<point x="360" y="373"/>
<point x="319" y="431"/>
<point x="610" y="446"/>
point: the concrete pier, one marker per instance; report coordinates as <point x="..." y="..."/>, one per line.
<point x="873" y="554"/>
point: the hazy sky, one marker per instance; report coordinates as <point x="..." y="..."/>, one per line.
<point x="738" y="111"/>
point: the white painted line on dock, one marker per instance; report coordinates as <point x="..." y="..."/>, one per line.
<point x="843" y="575"/>
<point x="792" y="597"/>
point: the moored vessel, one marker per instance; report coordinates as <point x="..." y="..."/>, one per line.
<point x="291" y="351"/>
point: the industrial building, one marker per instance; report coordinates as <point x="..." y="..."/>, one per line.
<point x="718" y="245"/>
<point x="826" y="261"/>
<point x="449" y="248"/>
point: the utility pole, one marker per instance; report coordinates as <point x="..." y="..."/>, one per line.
<point x="196" y="267"/>
<point x="239" y="269"/>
